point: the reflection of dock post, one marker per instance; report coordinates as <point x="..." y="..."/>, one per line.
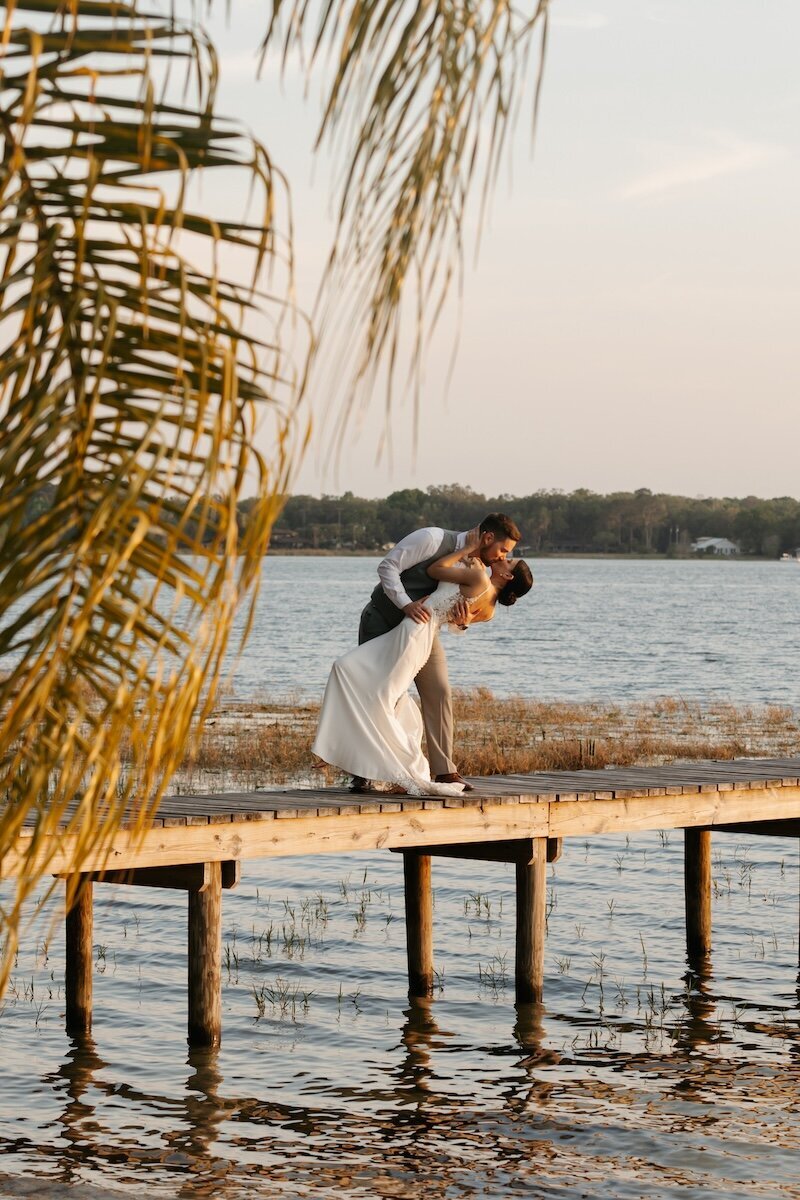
<point x="205" y="960"/>
<point x="78" y="966"/>
<point x="419" y="922"/>
<point x="697" y="885"/>
<point x="531" y="918"/>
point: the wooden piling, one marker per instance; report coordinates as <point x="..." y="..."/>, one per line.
<point x="205" y="961"/>
<point x="697" y="888"/>
<point x="531" y="917"/>
<point x="78" y="966"/>
<point x="419" y="922"/>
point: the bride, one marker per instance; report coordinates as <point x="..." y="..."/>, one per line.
<point x="369" y="725"/>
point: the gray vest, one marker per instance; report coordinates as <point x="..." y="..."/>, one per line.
<point x="416" y="581"/>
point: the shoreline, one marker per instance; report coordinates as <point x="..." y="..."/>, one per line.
<point x="538" y="555"/>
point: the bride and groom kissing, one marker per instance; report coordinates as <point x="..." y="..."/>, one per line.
<point x="433" y="579"/>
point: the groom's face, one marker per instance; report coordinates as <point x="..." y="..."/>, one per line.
<point x="494" y="548"/>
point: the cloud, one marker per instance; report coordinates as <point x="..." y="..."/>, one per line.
<point x="685" y="168"/>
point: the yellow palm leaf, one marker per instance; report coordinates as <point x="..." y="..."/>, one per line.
<point x="129" y="392"/>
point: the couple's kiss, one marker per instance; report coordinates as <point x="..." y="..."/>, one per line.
<point x="432" y="579"/>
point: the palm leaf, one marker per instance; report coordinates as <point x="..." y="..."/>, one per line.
<point x="131" y="379"/>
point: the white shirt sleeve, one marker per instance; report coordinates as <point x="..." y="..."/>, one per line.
<point x="410" y="550"/>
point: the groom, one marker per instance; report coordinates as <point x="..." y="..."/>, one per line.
<point x="404" y="584"/>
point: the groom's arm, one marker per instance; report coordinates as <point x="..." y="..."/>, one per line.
<point x="410" y="550"/>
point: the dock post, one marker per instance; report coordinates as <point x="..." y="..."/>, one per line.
<point x="419" y="922"/>
<point x="78" y="964"/>
<point x="697" y="887"/>
<point x="205" y="961"/>
<point x="531" y="920"/>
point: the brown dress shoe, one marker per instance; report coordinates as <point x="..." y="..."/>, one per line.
<point x="454" y="777"/>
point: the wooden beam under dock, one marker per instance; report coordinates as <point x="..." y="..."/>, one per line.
<point x="186" y="877"/>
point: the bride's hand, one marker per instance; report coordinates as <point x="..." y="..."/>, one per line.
<point x="460" y="614"/>
<point x="473" y="540"/>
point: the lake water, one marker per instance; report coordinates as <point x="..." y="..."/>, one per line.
<point x="589" y="629"/>
<point x="637" y="1078"/>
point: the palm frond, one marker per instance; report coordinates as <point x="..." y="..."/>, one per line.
<point x="132" y="376"/>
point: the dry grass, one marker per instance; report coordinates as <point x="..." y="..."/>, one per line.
<point x="519" y="735"/>
<point x="255" y="744"/>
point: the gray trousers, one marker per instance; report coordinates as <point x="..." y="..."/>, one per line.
<point x="433" y="686"/>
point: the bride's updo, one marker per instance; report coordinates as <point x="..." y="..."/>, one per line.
<point x="521" y="581"/>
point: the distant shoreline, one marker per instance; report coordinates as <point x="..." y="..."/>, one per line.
<point x="310" y="552"/>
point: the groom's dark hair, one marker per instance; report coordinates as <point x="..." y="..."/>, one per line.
<point x="501" y="526"/>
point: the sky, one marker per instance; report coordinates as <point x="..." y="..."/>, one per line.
<point x="631" y="318"/>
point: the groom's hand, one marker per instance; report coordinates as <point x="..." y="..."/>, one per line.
<point x="418" y="612"/>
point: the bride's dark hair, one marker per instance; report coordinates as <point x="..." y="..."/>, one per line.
<point x="521" y="581"/>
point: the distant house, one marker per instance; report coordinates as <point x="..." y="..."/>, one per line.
<point x="288" y="539"/>
<point x="713" y="545"/>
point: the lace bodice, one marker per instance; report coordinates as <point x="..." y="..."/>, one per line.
<point x="441" y="602"/>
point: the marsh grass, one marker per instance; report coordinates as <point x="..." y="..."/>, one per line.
<point x="269" y="742"/>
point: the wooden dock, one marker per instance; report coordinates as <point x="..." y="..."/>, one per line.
<point x="198" y="843"/>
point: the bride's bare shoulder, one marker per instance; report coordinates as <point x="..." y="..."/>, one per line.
<point x="474" y="578"/>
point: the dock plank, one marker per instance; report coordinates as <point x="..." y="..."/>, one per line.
<point x="278" y="821"/>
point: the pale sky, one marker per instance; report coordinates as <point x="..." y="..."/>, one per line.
<point x="632" y="317"/>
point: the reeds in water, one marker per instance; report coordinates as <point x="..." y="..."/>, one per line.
<point x="269" y="742"/>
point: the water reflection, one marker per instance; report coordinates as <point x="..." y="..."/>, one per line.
<point x="529" y="1031"/>
<point x="76" y="1080"/>
<point x="420" y="1036"/>
<point x="186" y="1145"/>
<point x="429" y="1130"/>
<point x="699" y="1027"/>
<point x="675" y="1079"/>
<point x="195" y="1137"/>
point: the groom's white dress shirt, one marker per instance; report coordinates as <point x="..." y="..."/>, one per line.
<point x="410" y="550"/>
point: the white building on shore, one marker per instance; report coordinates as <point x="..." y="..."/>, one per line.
<point x="714" y="545"/>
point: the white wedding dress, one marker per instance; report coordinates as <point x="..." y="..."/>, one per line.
<point x="369" y="725"/>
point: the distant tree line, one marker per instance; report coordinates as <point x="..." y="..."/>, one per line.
<point x="640" y="522"/>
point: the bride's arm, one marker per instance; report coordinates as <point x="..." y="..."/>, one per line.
<point x="449" y="572"/>
<point x="451" y="568"/>
<point x="476" y="614"/>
